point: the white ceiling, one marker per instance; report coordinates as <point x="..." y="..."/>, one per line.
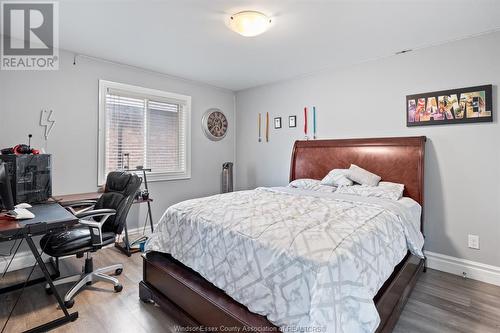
<point x="189" y="38"/>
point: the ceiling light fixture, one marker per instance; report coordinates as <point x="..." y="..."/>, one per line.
<point x="249" y="23"/>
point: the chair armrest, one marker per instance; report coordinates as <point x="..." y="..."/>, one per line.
<point x="82" y="203"/>
<point x="88" y="204"/>
<point x="95" y="226"/>
<point x="95" y="213"/>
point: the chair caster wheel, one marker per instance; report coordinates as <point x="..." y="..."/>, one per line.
<point x="89" y="283"/>
<point x="118" y="288"/>
<point x="69" y="304"/>
<point x="118" y="271"/>
<point x="48" y="291"/>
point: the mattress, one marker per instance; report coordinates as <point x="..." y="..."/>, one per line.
<point x="306" y="260"/>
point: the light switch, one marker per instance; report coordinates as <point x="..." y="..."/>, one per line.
<point x="474" y="242"/>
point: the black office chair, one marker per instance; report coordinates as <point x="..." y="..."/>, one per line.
<point x="100" y="223"/>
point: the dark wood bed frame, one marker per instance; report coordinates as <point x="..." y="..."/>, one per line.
<point x="193" y="301"/>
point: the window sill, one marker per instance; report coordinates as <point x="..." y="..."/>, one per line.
<point x="161" y="177"/>
<point x="157" y="177"/>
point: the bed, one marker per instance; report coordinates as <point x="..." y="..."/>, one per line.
<point x="194" y="301"/>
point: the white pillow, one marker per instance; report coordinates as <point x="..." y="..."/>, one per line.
<point x="384" y="190"/>
<point x="362" y="176"/>
<point x="337" y="177"/>
<point x="311" y="185"/>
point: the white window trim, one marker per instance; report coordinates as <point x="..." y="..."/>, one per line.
<point x="152" y="176"/>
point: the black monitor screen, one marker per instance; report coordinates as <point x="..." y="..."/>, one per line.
<point x="6" y="200"/>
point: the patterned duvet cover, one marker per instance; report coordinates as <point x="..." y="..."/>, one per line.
<point x="308" y="261"/>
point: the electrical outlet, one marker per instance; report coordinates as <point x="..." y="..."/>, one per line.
<point x="474" y="242"/>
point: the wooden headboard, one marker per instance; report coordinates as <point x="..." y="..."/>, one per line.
<point x="399" y="160"/>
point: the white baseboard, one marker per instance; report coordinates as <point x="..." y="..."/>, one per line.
<point x="136" y="232"/>
<point x="473" y="270"/>
<point x="25" y="258"/>
<point x="21" y="260"/>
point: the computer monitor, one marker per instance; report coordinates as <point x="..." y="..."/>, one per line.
<point x="6" y="200"/>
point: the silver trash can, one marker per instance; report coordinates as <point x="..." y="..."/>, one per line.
<point x="227" y="177"/>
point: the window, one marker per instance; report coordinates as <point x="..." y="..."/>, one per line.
<point x="143" y="127"/>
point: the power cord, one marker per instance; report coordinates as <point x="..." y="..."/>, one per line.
<point x="10" y="251"/>
<point x="12" y="258"/>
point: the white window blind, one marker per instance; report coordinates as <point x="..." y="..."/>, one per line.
<point x="144" y="128"/>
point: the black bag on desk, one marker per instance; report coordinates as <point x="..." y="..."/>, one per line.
<point x="31" y="177"/>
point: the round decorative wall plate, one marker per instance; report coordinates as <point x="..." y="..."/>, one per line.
<point x="214" y="124"/>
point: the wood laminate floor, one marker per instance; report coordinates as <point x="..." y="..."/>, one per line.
<point x="440" y="303"/>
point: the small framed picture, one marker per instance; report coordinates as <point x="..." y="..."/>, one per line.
<point x="277" y="122"/>
<point x="292" y="121"/>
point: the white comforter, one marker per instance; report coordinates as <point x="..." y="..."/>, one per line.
<point x="306" y="260"/>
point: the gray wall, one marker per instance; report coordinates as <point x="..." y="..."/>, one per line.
<point x="462" y="173"/>
<point x="72" y="92"/>
<point x="462" y="161"/>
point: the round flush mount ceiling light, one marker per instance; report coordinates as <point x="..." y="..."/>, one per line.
<point x="249" y="23"/>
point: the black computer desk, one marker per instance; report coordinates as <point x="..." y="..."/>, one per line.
<point x="49" y="218"/>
